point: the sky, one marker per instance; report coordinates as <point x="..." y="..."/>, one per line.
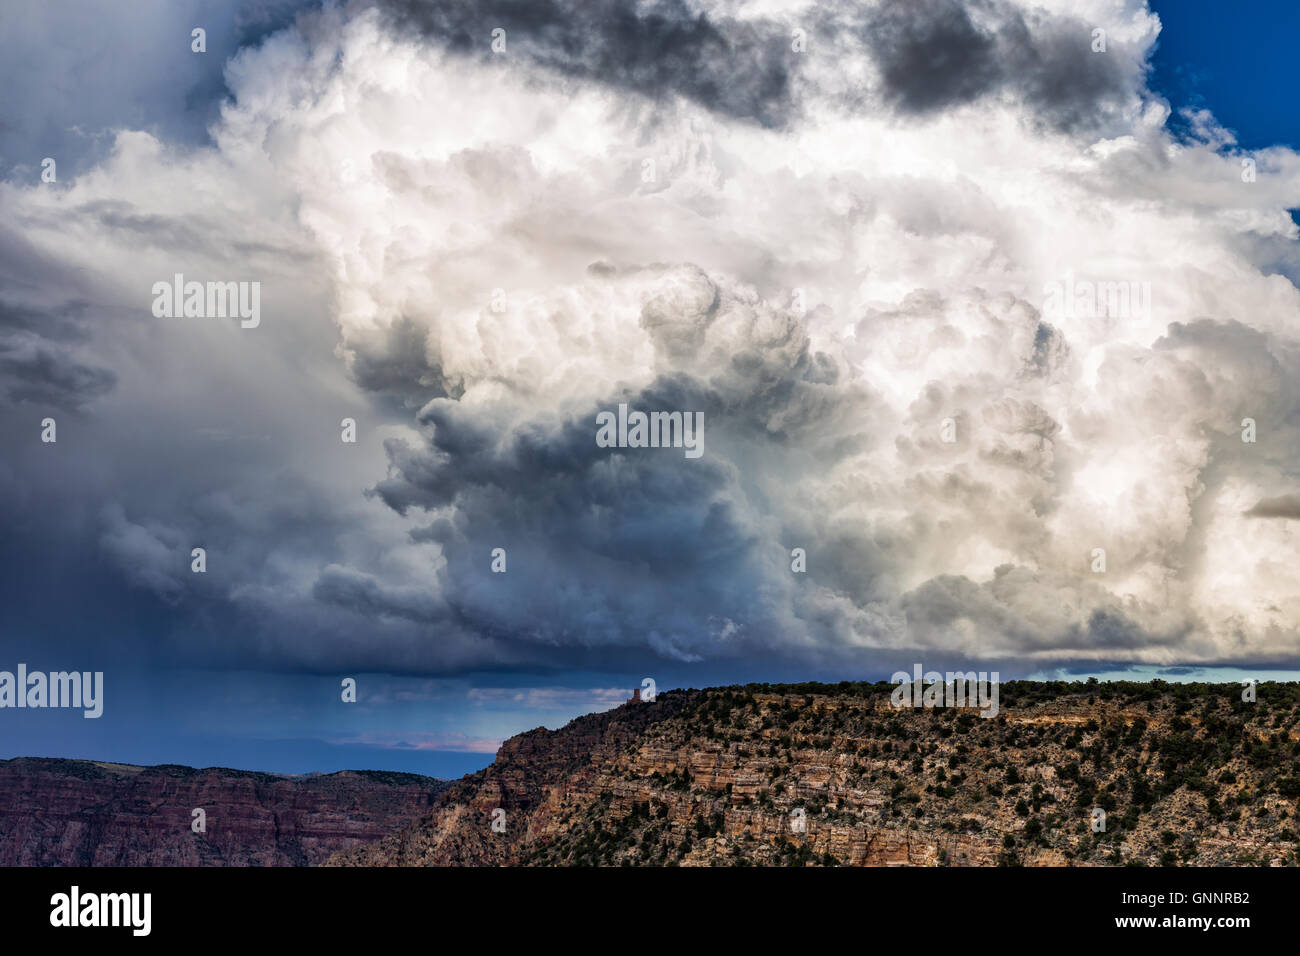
<point x="988" y="309"/>
<point x="1239" y="64"/>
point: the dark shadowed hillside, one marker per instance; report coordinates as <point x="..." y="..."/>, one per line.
<point x="83" y="813"/>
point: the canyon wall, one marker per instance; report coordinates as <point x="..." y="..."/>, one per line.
<point x="82" y="813"/>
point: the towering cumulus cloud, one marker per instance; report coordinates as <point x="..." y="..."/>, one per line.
<point x="1016" y="366"/>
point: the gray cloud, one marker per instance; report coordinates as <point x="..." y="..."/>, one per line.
<point x="1283" y="506"/>
<point x="78" y="70"/>
<point x="930" y="55"/>
<point x="624" y="550"/>
<point x="392" y="363"/>
<point x="39" y="372"/>
<point x="382" y="238"/>
<point x="367" y="595"/>
<point x="741" y="68"/>
<point x="933" y="55"/>
<point x="44" y="323"/>
<point x="151" y="557"/>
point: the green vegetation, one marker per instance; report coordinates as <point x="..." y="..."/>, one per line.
<point x="1169" y="764"/>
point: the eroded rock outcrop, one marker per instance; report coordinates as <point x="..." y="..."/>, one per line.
<point x="1184" y="774"/>
<point x="82" y="813"/>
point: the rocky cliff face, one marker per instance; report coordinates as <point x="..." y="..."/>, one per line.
<point x="82" y="813"/>
<point x="1183" y="774"/>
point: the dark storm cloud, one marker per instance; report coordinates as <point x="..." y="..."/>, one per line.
<point x="931" y="55"/>
<point x="367" y="595"/>
<point x="603" y="546"/>
<point x="41" y="372"/>
<point x="741" y="69"/>
<point x="613" y="555"/>
<point x="1112" y="629"/>
<point x="937" y="54"/>
<point x="1283" y="506"/>
<point x="391" y="363"/>
<point x="43" y="357"/>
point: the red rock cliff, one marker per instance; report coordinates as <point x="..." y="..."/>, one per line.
<point x="83" y="813"/>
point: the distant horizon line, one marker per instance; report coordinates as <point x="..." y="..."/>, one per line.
<point x="1084" y="682"/>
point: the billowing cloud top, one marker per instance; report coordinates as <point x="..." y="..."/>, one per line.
<point x="1014" y="366"/>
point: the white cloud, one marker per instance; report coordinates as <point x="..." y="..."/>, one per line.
<point x="398" y="184"/>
